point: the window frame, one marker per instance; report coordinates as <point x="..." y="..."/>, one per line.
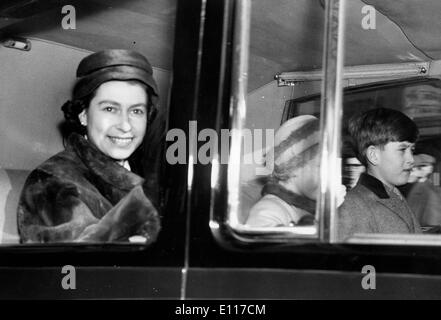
<point x="225" y="179"/>
<point x="169" y="249"/>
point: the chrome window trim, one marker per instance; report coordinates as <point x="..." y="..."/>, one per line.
<point x="331" y="110"/>
<point x="364" y="72"/>
<point x="394" y="239"/>
<point x="239" y="80"/>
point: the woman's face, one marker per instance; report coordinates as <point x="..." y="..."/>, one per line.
<point x="116" y="119"/>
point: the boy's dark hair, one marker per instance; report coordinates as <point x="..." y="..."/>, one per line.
<point x="379" y="126"/>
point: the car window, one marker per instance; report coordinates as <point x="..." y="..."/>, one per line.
<point x="277" y="179"/>
<point x="263" y="210"/>
<point x="43" y="46"/>
<point x="411" y="93"/>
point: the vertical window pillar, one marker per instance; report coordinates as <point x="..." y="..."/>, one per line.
<point x="330" y="121"/>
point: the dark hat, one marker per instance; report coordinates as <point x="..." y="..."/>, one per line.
<point x="112" y="64"/>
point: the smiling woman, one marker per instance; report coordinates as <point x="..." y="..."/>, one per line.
<point x="87" y="192"/>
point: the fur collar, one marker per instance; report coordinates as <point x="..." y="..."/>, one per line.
<point x="102" y="167"/>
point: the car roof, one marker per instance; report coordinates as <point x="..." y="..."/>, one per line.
<point x="285" y="35"/>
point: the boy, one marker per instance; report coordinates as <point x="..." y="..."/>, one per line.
<point x="384" y="140"/>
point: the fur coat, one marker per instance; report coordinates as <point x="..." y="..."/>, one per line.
<point x="81" y="195"/>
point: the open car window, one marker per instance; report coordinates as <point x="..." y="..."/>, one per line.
<point x="41" y="46"/>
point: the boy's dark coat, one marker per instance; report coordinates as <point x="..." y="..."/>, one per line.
<point x="368" y="208"/>
<point x="82" y="195"/>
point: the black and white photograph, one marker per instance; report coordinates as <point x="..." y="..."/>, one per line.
<point x="220" y="155"/>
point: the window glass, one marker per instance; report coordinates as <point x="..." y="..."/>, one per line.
<point x="418" y="99"/>
<point x="91" y="189"/>
<point x="387" y="66"/>
<point x="407" y="185"/>
<point x="280" y="161"/>
<point x="390" y="130"/>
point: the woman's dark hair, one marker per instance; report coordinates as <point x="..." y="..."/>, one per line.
<point x="71" y="110"/>
<point x="379" y="126"/>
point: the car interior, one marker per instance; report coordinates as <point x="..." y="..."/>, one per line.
<point x="39" y="57"/>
